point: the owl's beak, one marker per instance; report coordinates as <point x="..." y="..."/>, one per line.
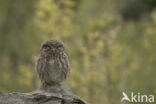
<point x="53" y="50"/>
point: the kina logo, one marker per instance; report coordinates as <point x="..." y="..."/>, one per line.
<point x="137" y="97"/>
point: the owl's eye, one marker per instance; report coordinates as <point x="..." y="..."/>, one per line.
<point x="60" y="46"/>
<point x="46" y="47"/>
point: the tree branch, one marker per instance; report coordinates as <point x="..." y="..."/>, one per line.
<point x="42" y="96"/>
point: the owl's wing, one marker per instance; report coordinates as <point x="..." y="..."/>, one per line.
<point x="66" y="64"/>
<point x="39" y="68"/>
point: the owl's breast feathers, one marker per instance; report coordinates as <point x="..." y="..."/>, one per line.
<point x="54" y="68"/>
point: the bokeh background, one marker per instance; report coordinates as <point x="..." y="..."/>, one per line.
<point x="111" y="45"/>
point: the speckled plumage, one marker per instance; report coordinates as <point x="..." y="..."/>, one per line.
<point x="52" y="64"/>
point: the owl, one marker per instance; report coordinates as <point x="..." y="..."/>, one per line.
<point x="52" y="65"/>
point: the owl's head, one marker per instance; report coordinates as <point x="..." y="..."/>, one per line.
<point x="52" y="46"/>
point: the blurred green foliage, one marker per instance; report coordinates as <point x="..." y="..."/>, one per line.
<point x="108" y="55"/>
<point x="134" y="9"/>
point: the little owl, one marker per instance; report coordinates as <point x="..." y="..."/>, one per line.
<point x="52" y="64"/>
